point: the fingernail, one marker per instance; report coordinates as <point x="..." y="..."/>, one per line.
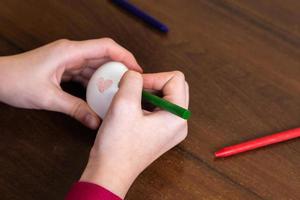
<point x="91" y="121"/>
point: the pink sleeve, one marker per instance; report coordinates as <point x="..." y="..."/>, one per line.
<point x="90" y="191"/>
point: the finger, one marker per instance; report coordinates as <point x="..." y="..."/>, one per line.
<point x="84" y="81"/>
<point x="76" y="108"/>
<point x="72" y="72"/>
<point x="130" y="90"/>
<point x="66" y="77"/>
<point x="187" y="94"/>
<point x="172" y="85"/>
<point x="107" y="48"/>
<point x="87" y="72"/>
<point x="96" y="63"/>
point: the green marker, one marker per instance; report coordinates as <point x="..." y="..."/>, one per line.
<point x="166" y="105"/>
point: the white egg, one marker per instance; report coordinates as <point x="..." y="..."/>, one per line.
<point x="103" y="85"/>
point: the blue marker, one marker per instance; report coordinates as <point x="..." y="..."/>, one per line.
<point x="142" y="15"/>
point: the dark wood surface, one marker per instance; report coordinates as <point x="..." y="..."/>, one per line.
<point x="242" y="61"/>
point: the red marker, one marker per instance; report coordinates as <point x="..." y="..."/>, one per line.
<point x="257" y="143"/>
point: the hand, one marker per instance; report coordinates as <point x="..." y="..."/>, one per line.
<point x="129" y="138"/>
<point x="32" y="79"/>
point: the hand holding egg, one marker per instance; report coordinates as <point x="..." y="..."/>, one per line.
<point x="103" y="85"/>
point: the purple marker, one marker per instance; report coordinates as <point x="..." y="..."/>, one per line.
<point x="142" y="15"/>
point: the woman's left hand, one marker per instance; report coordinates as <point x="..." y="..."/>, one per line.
<point x="32" y="79"/>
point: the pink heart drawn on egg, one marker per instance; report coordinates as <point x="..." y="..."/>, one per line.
<point x="104" y="84"/>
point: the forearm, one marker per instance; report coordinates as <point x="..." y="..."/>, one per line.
<point x="102" y="180"/>
<point x="114" y="176"/>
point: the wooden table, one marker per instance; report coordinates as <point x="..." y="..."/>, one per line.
<point x="241" y="59"/>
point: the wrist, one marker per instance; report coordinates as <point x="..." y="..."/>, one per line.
<point x="111" y="175"/>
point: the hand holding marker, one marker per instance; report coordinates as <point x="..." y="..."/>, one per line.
<point x="185" y="114"/>
<point x="103" y="85"/>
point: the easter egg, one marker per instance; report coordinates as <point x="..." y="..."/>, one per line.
<point x="103" y="85"/>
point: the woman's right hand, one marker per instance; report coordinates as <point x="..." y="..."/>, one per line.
<point x="130" y="138"/>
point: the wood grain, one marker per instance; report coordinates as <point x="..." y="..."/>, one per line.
<point x="241" y="59"/>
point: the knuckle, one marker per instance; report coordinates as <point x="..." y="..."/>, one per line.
<point x="134" y="75"/>
<point x="124" y="54"/>
<point x="179" y="74"/>
<point x="183" y="132"/>
<point x="179" y="131"/>
<point x="187" y="85"/>
<point x="48" y="101"/>
<point x="76" y="108"/>
<point x="183" y="136"/>
<point x="139" y="77"/>
<point x="130" y="55"/>
<point x="64" y="45"/>
<point x="108" y="40"/>
<point x="62" y="42"/>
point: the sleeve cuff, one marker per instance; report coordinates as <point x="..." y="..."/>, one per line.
<point x="90" y="191"/>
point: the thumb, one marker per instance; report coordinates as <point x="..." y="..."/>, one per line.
<point x="130" y="89"/>
<point x="76" y="108"/>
